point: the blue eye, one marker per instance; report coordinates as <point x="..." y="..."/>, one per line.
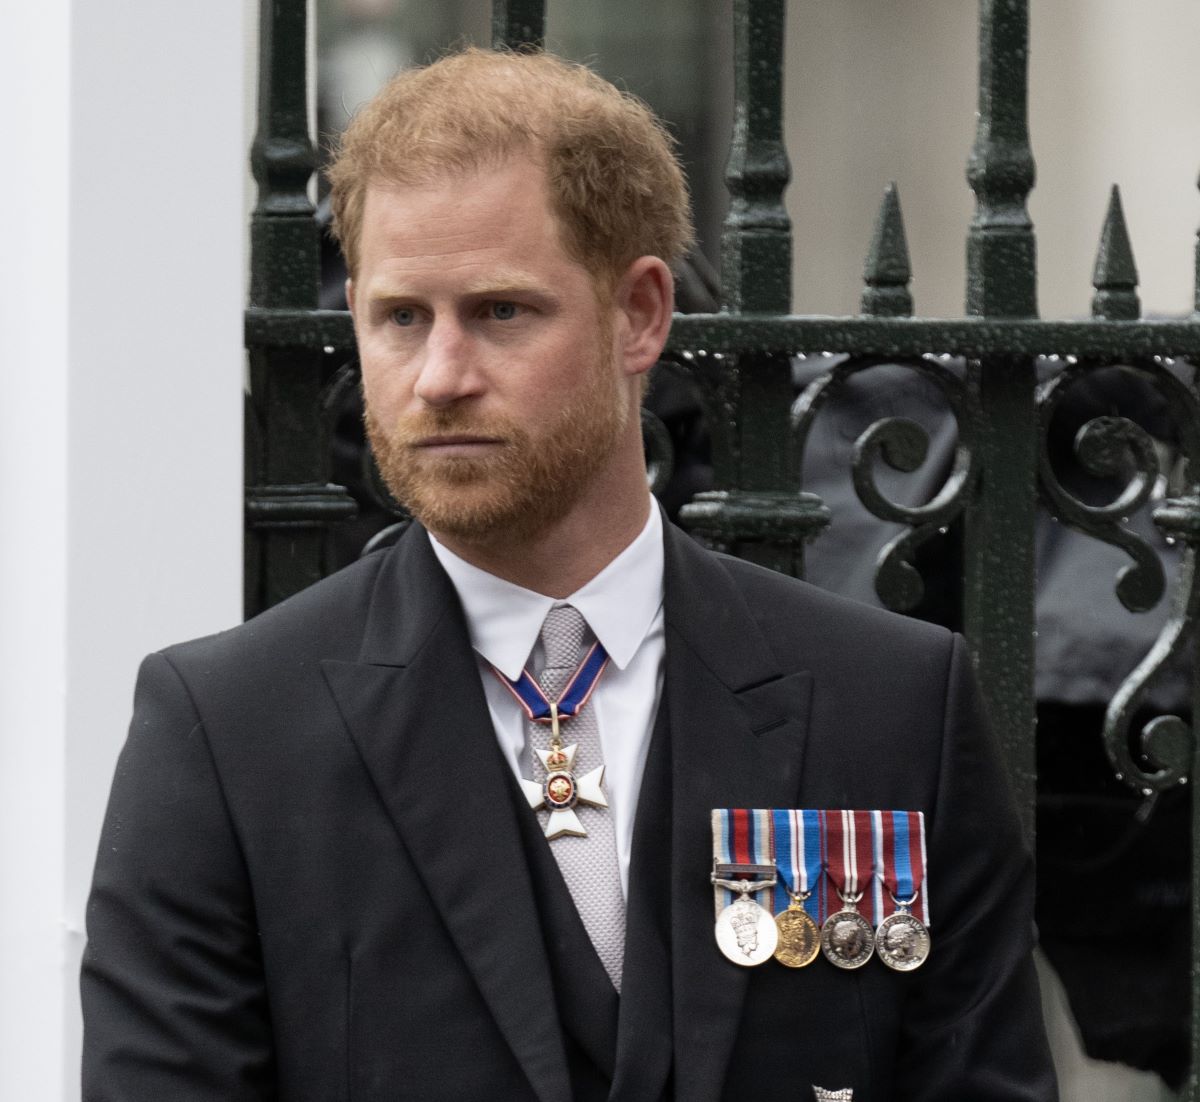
<point x="404" y="316"/>
<point x="504" y="311"/>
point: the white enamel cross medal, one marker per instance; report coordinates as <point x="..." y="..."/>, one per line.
<point x="561" y="791"/>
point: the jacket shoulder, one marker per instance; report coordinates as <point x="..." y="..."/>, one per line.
<point x="783" y="604"/>
<point x="324" y="620"/>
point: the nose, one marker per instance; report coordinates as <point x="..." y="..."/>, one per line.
<point x="448" y="371"/>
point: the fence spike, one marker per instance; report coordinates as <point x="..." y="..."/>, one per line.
<point x="1115" y="275"/>
<point x="887" y="270"/>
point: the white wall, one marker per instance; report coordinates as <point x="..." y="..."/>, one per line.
<point x="879" y="91"/>
<point x="120" y="439"/>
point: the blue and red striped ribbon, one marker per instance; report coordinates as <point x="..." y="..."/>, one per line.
<point x="536" y="704"/>
<point x="880" y="853"/>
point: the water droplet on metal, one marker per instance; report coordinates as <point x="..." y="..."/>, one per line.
<point x="1119" y="776"/>
<point x="943" y="530"/>
<point x="328" y="350"/>
<point x="1147" y="791"/>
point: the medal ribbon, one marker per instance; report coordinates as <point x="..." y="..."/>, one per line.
<point x="797" y="857"/>
<point x="849" y="851"/>
<point x="743" y="836"/>
<point x="536" y="704"/>
<point x="903" y="865"/>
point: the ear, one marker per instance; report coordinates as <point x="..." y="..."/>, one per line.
<point x="350" y="294"/>
<point x="644" y="299"/>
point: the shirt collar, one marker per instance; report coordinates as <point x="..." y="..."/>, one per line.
<point x="619" y="604"/>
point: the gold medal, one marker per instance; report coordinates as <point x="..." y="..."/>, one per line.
<point x="799" y="938"/>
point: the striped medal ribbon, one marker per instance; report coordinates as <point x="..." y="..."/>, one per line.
<point x="847" y="938"/>
<point x="561" y="790"/>
<point x="798" y="861"/>
<point x="902" y="938"/>
<point x="743" y="879"/>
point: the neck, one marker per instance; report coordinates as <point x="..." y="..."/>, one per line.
<point x="560" y="559"/>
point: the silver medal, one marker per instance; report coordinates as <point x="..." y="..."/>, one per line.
<point x="847" y="939"/>
<point x="902" y="941"/>
<point x="746" y="932"/>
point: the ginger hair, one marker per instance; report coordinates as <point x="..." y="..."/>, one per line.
<point x="615" y="183"/>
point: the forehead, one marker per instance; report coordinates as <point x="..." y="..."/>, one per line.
<point x="498" y="215"/>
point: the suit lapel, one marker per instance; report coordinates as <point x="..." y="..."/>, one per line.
<point x="416" y="711"/>
<point x="737" y="740"/>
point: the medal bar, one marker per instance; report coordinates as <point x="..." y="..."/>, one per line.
<point x="846" y="884"/>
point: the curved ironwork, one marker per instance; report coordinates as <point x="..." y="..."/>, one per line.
<point x="1105" y="446"/>
<point x="1112" y="446"/>
<point x="904" y="445"/>
<point x="1166" y="741"/>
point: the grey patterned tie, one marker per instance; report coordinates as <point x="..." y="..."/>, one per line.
<point x="588" y="864"/>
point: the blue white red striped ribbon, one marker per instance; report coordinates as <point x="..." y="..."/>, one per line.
<point x="880" y="853"/>
<point x="797" y="857"/>
<point x="743" y="836"/>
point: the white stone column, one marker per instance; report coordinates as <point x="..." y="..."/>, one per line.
<point x="121" y="289"/>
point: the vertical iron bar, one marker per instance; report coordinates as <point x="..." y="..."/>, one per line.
<point x="518" y="24"/>
<point x="1001" y="282"/>
<point x="762" y="519"/>
<point x="285" y="272"/>
<point x="1191" y="1090"/>
<point x="756" y="267"/>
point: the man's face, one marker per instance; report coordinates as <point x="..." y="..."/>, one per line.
<point x="494" y="400"/>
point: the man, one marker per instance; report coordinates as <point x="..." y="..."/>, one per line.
<point x="340" y="862"/>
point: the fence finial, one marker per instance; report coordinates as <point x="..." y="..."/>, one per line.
<point x="1115" y="275"/>
<point x="887" y="270"/>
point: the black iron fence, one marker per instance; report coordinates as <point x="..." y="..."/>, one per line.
<point x="741" y="360"/>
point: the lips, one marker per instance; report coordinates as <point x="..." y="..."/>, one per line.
<point x="454" y="440"/>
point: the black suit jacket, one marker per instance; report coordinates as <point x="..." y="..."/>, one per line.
<point x="317" y="881"/>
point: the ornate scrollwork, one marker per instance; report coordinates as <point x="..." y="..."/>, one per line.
<point x="1167" y="741"/>
<point x="1107" y="447"/>
<point x="903" y="445"/>
<point x="1110" y="446"/>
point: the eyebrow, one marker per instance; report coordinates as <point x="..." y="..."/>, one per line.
<point x="497" y="284"/>
<point x="506" y="281"/>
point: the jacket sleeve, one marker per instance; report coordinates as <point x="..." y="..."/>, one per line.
<point x="972" y="1026"/>
<point x="174" y="999"/>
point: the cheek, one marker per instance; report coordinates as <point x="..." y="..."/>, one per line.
<point x="382" y="382"/>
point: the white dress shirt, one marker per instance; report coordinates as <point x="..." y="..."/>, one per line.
<point x="623" y="607"/>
